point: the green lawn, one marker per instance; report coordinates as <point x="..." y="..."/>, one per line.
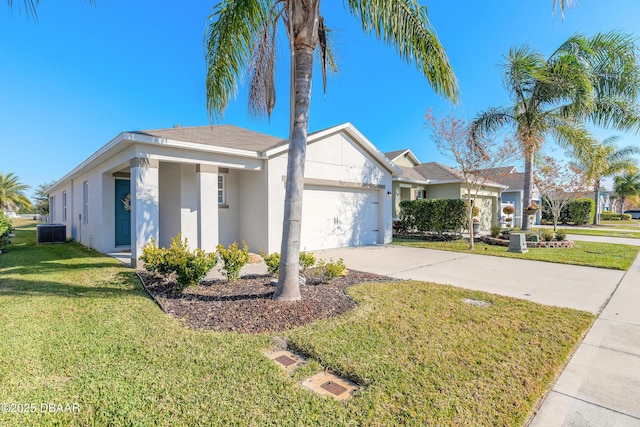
<point x="603" y="232"/>
<point x="77" y="327"/>
<point x="601" y="255"/>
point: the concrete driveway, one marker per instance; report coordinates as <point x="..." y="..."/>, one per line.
<point x="582" y="288"/>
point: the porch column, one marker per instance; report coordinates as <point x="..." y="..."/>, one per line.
<point x="144" y="205"/>
<point x="207" y="197"/>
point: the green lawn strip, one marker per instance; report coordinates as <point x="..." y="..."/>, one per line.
<point x="590" y="254"/>
<point x="77" y="327"/>
<point x="428" y="358"/>
<point x="603" y="232"/>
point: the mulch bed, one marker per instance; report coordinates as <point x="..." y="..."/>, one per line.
<point x="246" y="305"/>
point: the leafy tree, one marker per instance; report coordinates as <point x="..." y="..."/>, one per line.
<point x="627" y="186"/>
<point x="12" y="192"/>
<point x="242" y="35"/>
<point x="557" y="185"/>
<point x="474" y="159"/>
<point x="593" y="79"/>
<point x="603" y="159"/>
<point x="41" y="198"/>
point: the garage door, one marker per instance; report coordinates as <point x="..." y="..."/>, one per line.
<point x="338" y="217"/>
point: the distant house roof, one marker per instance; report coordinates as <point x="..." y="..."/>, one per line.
<point x="497" y="172"/>
<point x="227" y="136"/>
<point x="406" y="153"/>
<point x="410" y="174"/>
<point x="438" y="173"/>
<point x="514" y="181"/>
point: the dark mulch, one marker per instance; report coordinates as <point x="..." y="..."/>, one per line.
<point x="246" y="305"/>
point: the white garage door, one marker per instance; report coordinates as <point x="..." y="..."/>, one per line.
<point x="338" y="217"/>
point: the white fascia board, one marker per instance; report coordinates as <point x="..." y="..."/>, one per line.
<point x="411" y="155"/>
<point x="355" y="134"/>
<point x="146" y="139"/>
<point x="109" y="146"/>
<point x="411" y="181"/>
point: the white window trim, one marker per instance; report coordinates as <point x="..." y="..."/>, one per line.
<point x="52" y="208"/>
<point x="64" y="206"/>
<point x="222" y="191"/>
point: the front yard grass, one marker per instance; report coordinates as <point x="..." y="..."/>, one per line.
<point x="77" y="327"/>
<point x="603" y="232"/>
<point x="590" y="254"/>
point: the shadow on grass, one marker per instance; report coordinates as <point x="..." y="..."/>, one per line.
<point x="122" y="284"/>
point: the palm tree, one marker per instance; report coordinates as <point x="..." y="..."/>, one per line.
<point x="593" y="79"/>
<point x="242" y="35"/>
<point x="12" y="192"/>
<point x="602" y="160"/>
<point x="627" y="186"/>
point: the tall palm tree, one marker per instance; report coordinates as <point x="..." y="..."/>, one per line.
<point x="12" y="192"/>
<point x="627" y="186"/>
<point x="603" y="159"/>
<point x="242" y="35"/>
<point x="593" y="79"/>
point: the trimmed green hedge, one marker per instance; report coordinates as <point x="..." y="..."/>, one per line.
<point x="577" y="211"/>
<point x="437" y="215"/>
<point x="608" y="215"/>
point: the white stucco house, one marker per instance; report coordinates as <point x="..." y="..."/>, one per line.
<point x="219" y="184"/>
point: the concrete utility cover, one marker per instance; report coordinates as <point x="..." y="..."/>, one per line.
<point x="330" y="385"/>
<point x="286" y="359"/>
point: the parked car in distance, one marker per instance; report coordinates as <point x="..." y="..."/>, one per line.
<point x="635" y="213"/>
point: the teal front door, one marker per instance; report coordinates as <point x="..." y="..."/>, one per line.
<point x="123" y="213"/>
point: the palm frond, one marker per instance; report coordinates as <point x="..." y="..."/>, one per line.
<point x="405" y="25"/>
<point x="262" y="90"/>
<point x="234" y="27"/>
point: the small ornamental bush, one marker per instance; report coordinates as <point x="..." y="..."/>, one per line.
<point x="581" y="210"/>
<point x="547" y="235"/>
<point x="234" y="259"/>
<point x="609" y="216"/>
<point x="306" y="260"/>
<point x="6" y="226"/>
<point x="495" y="231"/>
<point x="272" y="261"/>
<point x="331" y="270"/>
<point x="561" y="235"/>
<point x="190" y="267"/>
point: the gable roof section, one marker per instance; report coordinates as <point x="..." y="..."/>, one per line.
<point x="410" y="175"/>
<point x="226" y="136"/>
<point x="395" y="155"/>
<point x="352" y="132"/>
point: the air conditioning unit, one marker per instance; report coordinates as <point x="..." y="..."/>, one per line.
<point x="51" y="233"/>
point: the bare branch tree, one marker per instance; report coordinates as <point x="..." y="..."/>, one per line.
<point x="476" y="157"/>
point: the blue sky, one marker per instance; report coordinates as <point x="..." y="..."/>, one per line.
<point x="82" y="74"/>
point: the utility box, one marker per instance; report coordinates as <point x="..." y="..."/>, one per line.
<point x="51" y="233"/>
<point x="518" y="243"/>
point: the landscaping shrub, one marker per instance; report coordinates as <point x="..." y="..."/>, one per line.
<point x="495" y="231"/>
<point x="306" y="260"/>
<point x="272" y="261"/>
<point x="331" y="270"/>
<point x="610" y="216"/>
<point x="6" y="226"/>
<point x="561" y="235"/>
<point x="433" y="215"/>
<point x="547" y="235"/>
<point x="509" y="210"/>
<point x="581" y="211"/>
<point x="190" y="267"/>
<point x="234" y="259"/>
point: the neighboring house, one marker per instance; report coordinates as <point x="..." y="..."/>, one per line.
<point x="409" y="184"/>
<point x="514" y="194"/>
<point x="219" y="184"/>
<point x="436" y="181"/>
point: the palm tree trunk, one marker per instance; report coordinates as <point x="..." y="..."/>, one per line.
<point x="288" y="288"/>
<point x="596" y="189"/>
<point x="528" y="189"/>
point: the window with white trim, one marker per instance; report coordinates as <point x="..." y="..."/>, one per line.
<point x="64" y="206"/>
<point x="221" y="190"/>
<point x="85" y="202"/>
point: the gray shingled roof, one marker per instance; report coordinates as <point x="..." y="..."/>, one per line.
<point x="515" y="181"/>
<point x="393" y="154"/>
<point x="227" y="136"/>
<point x="438" y="172"/>
<point x="410" y="174"/>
